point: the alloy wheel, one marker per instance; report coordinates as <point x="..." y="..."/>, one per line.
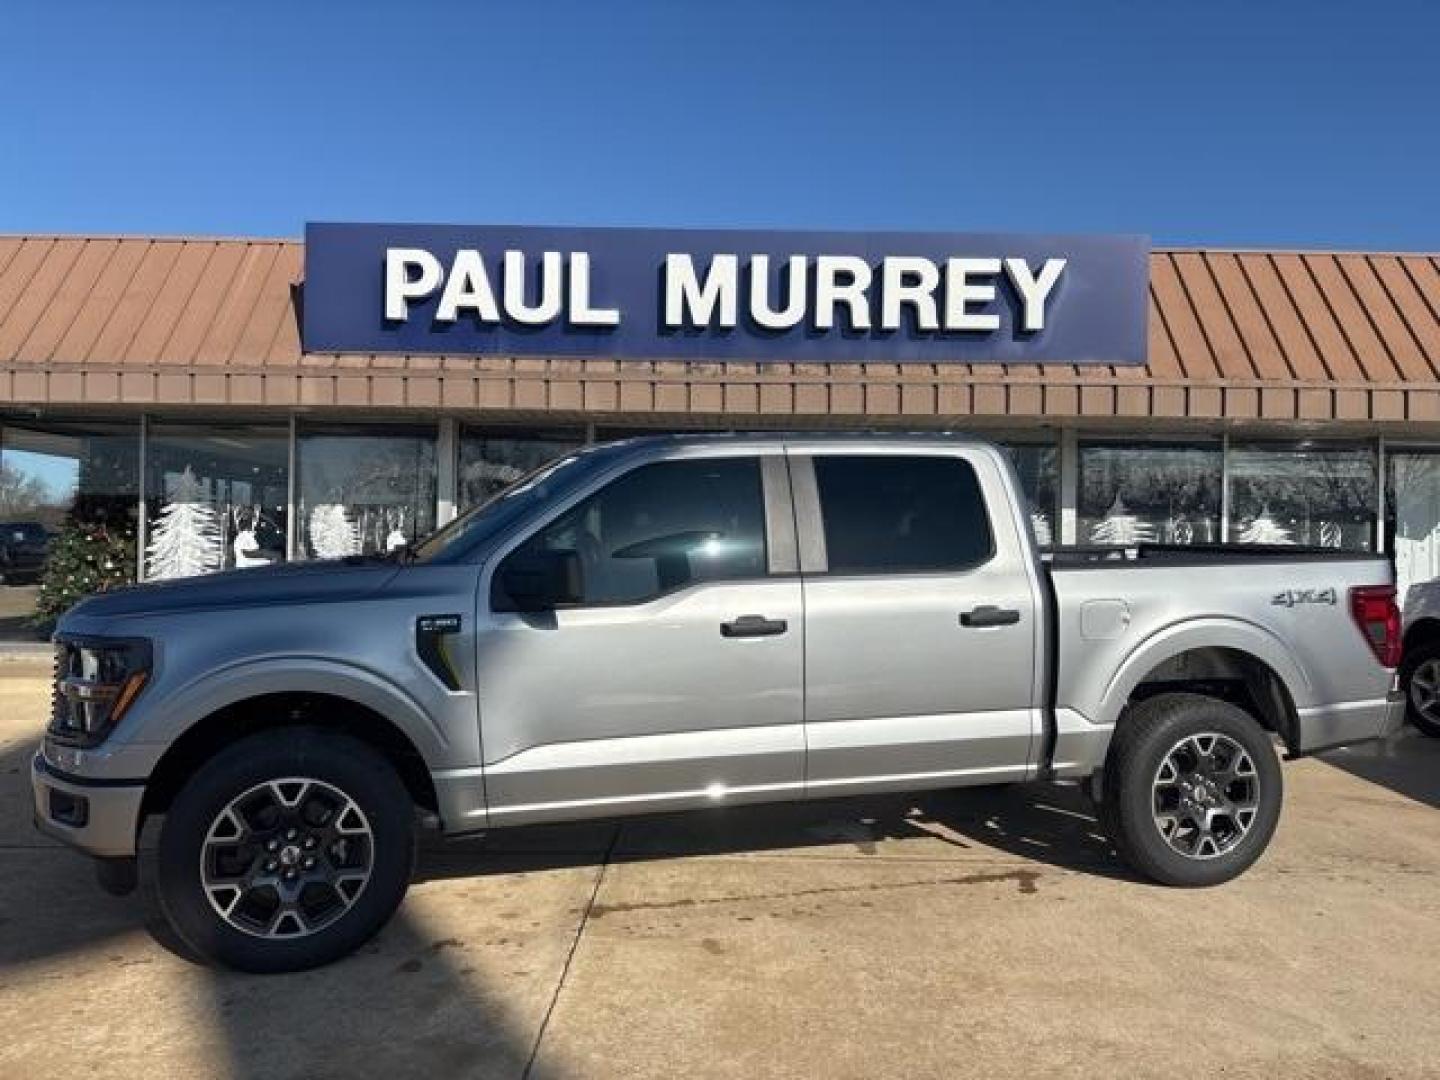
<point x="286" y="858"/>
<point x="1425" y="690"/>
<point x="1206" y="795"/>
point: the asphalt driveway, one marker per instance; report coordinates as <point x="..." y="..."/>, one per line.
<point x="987" y="933"/>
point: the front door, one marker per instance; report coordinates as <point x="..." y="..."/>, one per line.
<point x="676" y="679"/>
<point x="920" y="622"/>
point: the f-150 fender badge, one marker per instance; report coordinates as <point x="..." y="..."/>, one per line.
<point x="430" y="634"/>
<point x="1295" y="597"/>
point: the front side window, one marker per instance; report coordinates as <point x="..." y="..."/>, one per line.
<point x="662" y="527"/>
<point x="886" y="514"/>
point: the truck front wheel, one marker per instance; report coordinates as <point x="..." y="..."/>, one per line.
<point x="287" y="850"/>
<point x="1192" y="790"/>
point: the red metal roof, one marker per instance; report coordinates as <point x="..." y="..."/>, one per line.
<point x="1239" y="335"/>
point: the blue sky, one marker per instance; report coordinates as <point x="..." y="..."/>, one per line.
<point x="1252" y="124"/>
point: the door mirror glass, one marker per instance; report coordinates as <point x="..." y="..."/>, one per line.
<point x="531" y="580"/>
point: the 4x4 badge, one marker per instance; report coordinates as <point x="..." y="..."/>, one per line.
<point x="1292" y="597"/>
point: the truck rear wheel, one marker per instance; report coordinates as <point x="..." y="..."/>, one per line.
<point x="287" y="850"/>
<point x="1191" y="791"/>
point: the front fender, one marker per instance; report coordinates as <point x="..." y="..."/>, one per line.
<point x="1203" y="633"/>
<point x="184" y="707"/>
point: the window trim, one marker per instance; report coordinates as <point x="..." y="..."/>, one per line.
<point x="775" y="502"/>
<point x="810" y="518"/>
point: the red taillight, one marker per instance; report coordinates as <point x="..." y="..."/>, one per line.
<point x="1378" y="617"/>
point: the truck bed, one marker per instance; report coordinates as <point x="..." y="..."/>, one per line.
<point x="1064" y="557"/>
<point x="1118" y="612"/>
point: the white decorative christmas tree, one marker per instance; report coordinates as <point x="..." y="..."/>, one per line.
<point x="1264" y="529"/>
<point x="186" y="538"/>
<point x="1041" y="526"/>
<point x="332" y="534"/>
<point x="1119" y="526"/>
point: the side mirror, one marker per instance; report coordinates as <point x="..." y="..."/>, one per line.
<point x="538" y="581"/>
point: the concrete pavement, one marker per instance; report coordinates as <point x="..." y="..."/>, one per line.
<point x="982" y="933"/>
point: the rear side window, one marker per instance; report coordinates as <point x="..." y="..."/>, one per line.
<point x="662" y="527"/>
<point x="889" y="514"/>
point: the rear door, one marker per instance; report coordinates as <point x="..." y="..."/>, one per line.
<point x="921" y="627"/>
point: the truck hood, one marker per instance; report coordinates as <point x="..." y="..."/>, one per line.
<point x="287" y="583"/>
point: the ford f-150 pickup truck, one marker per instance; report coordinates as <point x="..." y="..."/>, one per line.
<point x="684" y="622"/>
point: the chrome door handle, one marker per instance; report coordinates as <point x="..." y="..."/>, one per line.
<point x="989" y="615"/>
<point x="753" y="626"/>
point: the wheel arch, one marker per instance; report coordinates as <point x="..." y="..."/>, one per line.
<point x="1226" y="659"/>
<point x="275" y="708"/>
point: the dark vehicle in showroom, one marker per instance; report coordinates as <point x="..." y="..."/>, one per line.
<point x="23" y="546"/>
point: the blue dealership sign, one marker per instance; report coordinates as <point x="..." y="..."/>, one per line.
<point x="708" y="294"/>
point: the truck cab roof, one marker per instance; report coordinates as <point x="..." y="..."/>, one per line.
<point x="758" y="440"/>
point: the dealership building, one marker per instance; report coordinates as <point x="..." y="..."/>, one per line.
<point x="1279" y="397"/>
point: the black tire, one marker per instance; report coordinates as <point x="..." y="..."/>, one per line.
<point x="1144" y="740"/>
<point x="340" y="764"/>
<point x="1426" y="654"/>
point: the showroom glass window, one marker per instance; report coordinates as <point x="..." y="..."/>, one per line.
<point x="493" y="458"/>
<point x="1320" y="494"/>
<point x="892" y="513"/>
<point x="58" y="479"/>
<point x="1135" y="493"/>
<point x="1038" y="467"/>
<point x="662" y="527"/>
<point x="1412" y="503"/>
<point x="363" y="489"/>
<point x="216" y="497"/>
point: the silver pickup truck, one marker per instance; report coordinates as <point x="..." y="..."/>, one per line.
<point x="683" y="622"/>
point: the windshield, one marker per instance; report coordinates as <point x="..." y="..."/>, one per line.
<point x="456" y="540"/>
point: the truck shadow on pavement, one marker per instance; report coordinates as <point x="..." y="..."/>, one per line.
<point x="1047" y="823"/>
<point x="411" y="1003"/>
<point x="434" y="997"/>
<point x="408" y="1004"/>
<point x="1408" y="764"/>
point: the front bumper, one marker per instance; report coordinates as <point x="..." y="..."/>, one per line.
<point x="100" y="818"/>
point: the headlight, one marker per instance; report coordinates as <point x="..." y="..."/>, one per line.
<point x="96" y="681"/>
